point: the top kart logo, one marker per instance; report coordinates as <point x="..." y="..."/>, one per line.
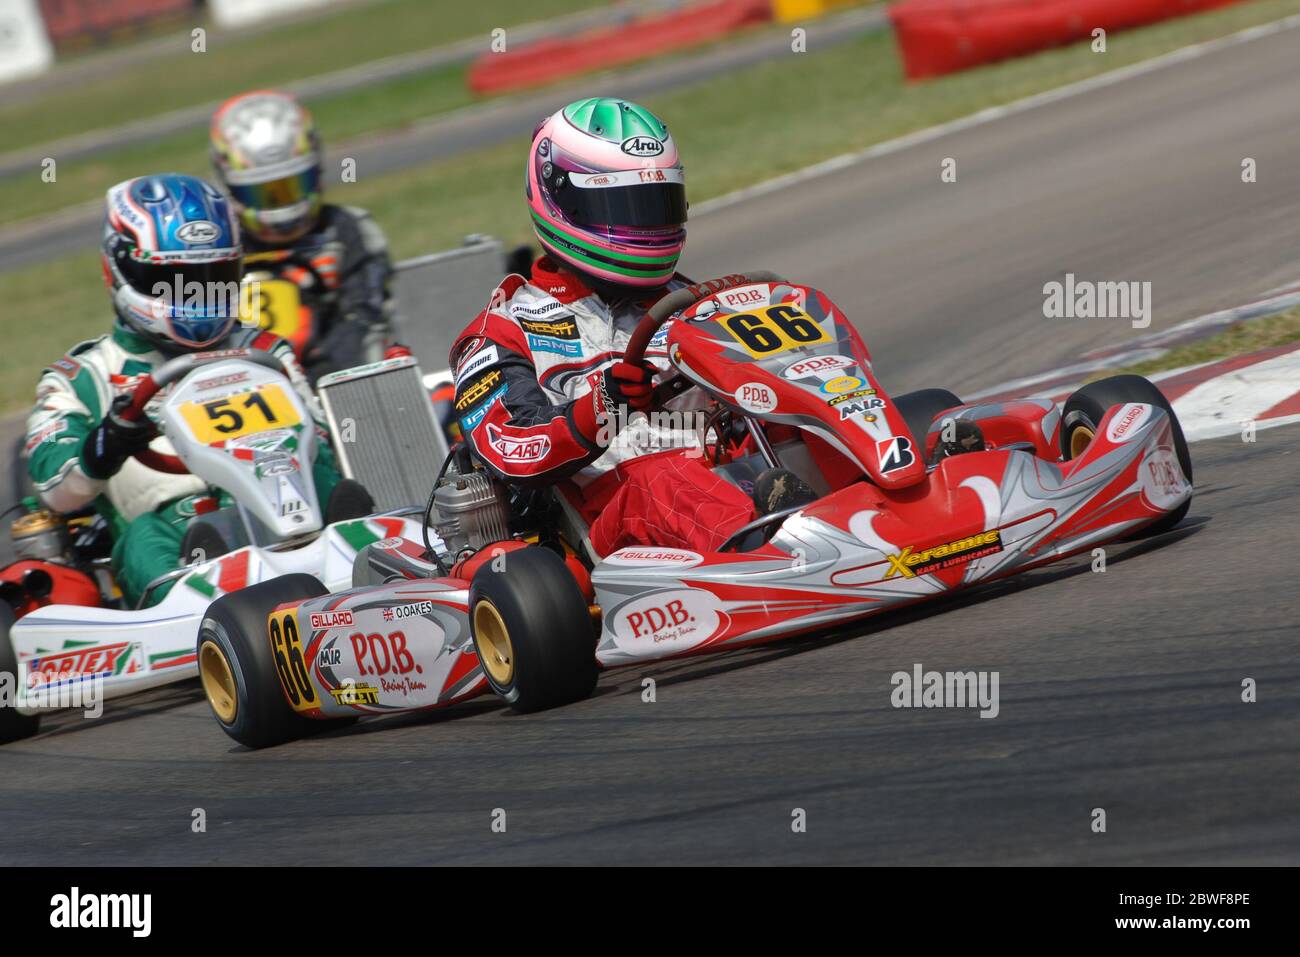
<point x="642" y="146"/>
<point x="909" y="564"/>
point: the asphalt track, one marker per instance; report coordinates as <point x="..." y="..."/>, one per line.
<point x="1118" y="690"/>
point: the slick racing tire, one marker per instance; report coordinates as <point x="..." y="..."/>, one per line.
<point x="238" y="669"/>
<point x="533" y="631"/>
<point x="919" y="409"/>
<point x="13" y="726"/>
<point x="1084" y="410"/>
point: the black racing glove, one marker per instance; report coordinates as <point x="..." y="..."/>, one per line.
<point x="114" y="441"/>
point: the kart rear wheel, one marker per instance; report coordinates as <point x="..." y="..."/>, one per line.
<point x="237" y="666"/>
<point x="919" y="409"/>
<point x="13" y="726"/>
<point x="533" y="631"/>
<point x="1087" y="407"/>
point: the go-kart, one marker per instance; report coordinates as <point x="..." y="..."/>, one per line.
<point x="235" y="421"/>
<point x="914" y="496"/>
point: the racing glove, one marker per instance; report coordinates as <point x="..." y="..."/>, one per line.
<point x="614" y="390"/>
<point x="114" y="441"/>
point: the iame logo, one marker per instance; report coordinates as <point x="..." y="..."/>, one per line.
<point x="76" y="910"/>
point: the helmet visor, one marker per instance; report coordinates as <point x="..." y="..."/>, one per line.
<point x="643" y="199"/>
<point x="277" y="193"/>
<point x="188" y="291"/>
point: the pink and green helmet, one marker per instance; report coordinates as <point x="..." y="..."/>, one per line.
<point x="607" y="193"/>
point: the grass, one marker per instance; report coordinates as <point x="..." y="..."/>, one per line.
<point x="753" y="124"/>
<point x="1238" y="339"/>
<point x="390" y="105"/>
<point x="331" y="41"/>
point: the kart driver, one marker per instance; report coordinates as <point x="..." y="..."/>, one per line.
<point x="267" y="155"/>
<point x="157" y="229"/>
<point x="539" y="378"/>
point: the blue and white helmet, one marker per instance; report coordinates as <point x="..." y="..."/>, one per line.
<point x="173" y="259"/>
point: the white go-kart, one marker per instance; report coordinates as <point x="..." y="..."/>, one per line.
<point x="235" y="421"/>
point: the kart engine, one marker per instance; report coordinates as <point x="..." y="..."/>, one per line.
<point x="470" y="510"/>
<point x="40" y="535"/>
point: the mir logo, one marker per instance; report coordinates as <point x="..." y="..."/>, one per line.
<point x="76" y="910"/>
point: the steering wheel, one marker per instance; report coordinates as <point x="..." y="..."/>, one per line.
<point x="683" y="299"/>
<point x="171" y="371"/>
<point x="676" y="302"/>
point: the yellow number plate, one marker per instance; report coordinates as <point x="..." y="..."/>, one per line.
<point x="271" y="304"/>
<point x="220" y="420"/>
<point x="772" y="329"/>
<point x="290" y="665"/>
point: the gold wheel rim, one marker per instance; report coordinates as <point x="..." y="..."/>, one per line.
<point x="493" y="639"/>
<point x="1079" y="440"/>
<point x="218" y="681"/>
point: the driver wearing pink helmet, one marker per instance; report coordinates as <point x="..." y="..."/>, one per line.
<point x="539" y="377"/>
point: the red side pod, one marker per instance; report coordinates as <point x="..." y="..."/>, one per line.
<point x="30" y="584"/>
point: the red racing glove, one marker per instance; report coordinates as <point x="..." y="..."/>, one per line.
<point x="616" y="391"/>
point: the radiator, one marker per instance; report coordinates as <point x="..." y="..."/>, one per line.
<point x="384" y="430"/>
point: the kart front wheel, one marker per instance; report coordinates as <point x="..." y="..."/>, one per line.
<point x="237" y="664"/>
<point x="532" y="630"/>
<point x="13" y="726"/>
<point x="1084" y="411"/>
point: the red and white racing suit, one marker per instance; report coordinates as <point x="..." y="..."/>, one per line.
<point x="525" y="370"/>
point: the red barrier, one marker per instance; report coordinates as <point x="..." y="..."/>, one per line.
<point x="556" y="57"/>
<point x="74" y="19"/>
<point x="943" y="36"/>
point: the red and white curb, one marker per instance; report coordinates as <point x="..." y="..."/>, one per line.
<point x="1260" y="390"/>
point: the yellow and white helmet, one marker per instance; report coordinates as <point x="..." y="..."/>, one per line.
<point x="267" y="154"/>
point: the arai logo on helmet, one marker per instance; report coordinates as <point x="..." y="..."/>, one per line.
<point x="198" y="232"/>
<point x="642" y="146"/>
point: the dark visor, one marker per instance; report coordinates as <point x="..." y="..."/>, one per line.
<point x="643" y="205"/>
<point x="144" y="277"/>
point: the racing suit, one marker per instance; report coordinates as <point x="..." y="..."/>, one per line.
<point x="525" y="369"/>
<point x="342" y="271"/>
<point x="147" y="510"/>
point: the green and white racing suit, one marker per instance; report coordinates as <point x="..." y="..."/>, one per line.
<point x="147" y="510"/>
